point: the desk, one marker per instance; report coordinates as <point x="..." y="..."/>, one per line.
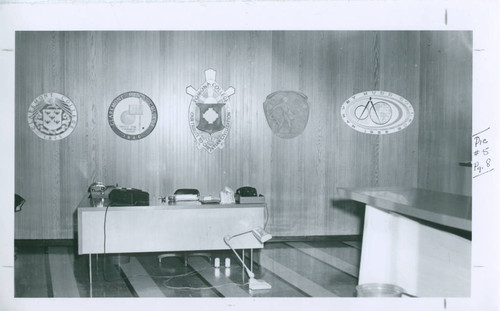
<point x="409" y="240"/>
<point x="166" y="228"/>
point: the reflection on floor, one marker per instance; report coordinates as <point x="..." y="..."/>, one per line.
<point x="294" y="269"/>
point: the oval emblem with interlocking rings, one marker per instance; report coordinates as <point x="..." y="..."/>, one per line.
<point x="377" y="112"/>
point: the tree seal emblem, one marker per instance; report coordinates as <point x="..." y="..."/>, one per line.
<point x="52" y="116"/>
<point x="210" y="113"/>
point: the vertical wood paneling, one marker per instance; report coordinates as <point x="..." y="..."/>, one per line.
<point x="353" y="163"/>
<point x="287" y="154"/>
<point x="79" y="163"/>
<point x="445" y="128"/>
<point x="247" y="158"/>
<point x="399" y="74"/>
<point x="298" y="176"/>
<point x="314" y="57"/>
<point x="38" y="177"/>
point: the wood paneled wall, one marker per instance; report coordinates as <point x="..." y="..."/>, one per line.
<point x="445" y="135"/>
<point x="298" y="176"/>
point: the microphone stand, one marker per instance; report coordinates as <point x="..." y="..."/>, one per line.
<point x="253" y="283"/>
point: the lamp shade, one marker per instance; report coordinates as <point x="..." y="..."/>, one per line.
<point x="18" y="202"/>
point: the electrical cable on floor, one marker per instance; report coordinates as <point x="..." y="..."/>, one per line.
<point x="164" y="283"/>
<point x="166" y="276"/>
<point x="171" y="277"/>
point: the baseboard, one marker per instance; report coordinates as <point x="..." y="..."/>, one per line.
<point x="315" y="238"/>
<point x="45" y="242"/>
<point x="275" y="239"/>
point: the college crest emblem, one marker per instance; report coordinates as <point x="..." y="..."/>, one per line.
<point x="52" y="116"/>
<point x="210" y="113"/>
<point x="132" y="115"/>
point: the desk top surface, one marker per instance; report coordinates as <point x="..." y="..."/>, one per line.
<point x="90" y="204"/>
<point x="438" y="207"/>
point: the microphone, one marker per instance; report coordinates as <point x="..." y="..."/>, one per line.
<point x="261" y="236"/>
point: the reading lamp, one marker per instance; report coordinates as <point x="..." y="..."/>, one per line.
<point x="262" y="236"/>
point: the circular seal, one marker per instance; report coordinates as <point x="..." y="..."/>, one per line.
<point x="52" y="116"/>
<point x="377" y="112"/>
<point x="287" y="113"/>
<point x="132" y="115"/>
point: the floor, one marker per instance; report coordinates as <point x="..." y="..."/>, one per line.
<point x="293" y="269"/>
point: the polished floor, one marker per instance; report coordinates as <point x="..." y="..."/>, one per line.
<point x="293" y="269"/>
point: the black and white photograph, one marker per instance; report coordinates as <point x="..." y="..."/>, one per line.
<point x="250" y="155"/>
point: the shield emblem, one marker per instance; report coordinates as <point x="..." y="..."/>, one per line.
<point x="210" y="113"/>
<point x="210" y="118"/>
<point x="287" y="113"/>
<point x="52" y="118"/>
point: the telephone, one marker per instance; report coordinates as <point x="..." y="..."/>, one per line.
<point x="227" y="196"/>
<point x="246" y="192"/>
<point x="117" y="196"/>
<point x="248" y="195"/>
<point x="128" y="197"/>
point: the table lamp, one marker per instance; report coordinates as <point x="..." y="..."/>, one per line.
<point x="262" y="236"/>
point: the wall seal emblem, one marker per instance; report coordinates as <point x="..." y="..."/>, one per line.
<point x="132" y="115"/>
<point x="377" y="112"/>
<point x="210" y="113"/>
<point x="52" y="116"/>
<point x="287" y="113"/>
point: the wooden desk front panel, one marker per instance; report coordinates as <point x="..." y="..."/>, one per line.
<point x="166" y="228"/>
